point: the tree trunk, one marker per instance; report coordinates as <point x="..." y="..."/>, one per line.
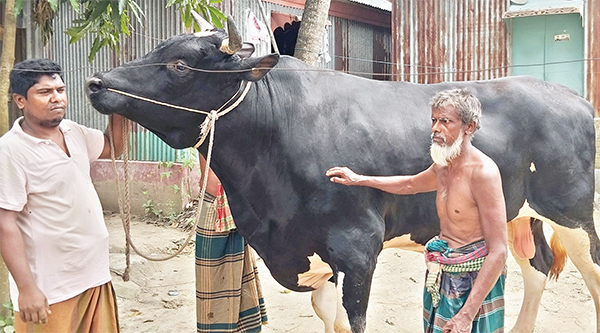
<point x="6" y="64"/>
<point x="4" y="292"/>
<point x="7" y="61"/>
<point x="312" y="29"/>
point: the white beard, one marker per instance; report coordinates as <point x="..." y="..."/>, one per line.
<point x="443" y="155"/>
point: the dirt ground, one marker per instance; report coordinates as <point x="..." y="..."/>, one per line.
<point x="160" y="295"/>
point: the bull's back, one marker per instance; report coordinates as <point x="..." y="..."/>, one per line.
<point x="541" y="135"/>
<point x="383" y="128"/>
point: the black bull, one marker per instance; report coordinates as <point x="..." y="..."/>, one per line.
<point x="272" y="151"/>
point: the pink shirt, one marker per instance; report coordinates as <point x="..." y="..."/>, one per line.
<point x="60" y="215"/>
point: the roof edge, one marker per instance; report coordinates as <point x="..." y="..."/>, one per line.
<point x="377" y="4"/>
<point x="546" y="11"/>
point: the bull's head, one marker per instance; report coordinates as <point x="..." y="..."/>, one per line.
<point x="197" y="71"/>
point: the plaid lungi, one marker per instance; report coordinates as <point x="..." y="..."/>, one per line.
<point x="228" y="292"/>
<point x="455" y="286"/>
<point x="93" y="311"/>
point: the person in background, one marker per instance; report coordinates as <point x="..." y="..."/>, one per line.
<point x="53" y="237"/>
<point x="228" y="291"/>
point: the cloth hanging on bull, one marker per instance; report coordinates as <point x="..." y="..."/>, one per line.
<point x="449" y="280"/>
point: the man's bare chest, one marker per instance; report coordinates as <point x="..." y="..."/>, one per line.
<point x="454" y="196"/>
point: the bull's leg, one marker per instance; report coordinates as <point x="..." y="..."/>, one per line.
<point x="327" y="303"/>
<point x="342" y="324"/>
<point x="577" y="243"/>
<point x="534" y="282"/>
<point x="354" y="253"/>
<point x="324" y="302"/>
<point x="356" y="289"/>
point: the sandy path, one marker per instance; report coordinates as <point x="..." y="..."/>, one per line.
<point x="395" y="304"/>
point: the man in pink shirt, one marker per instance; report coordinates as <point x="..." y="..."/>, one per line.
<point x="52" y="233"/>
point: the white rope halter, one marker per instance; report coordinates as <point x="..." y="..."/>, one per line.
<point x="211" y="117"/>
<point x="206" y="128"/>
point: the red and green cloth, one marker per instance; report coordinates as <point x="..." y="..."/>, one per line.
<point x="451" y="274"/>
<point x="228" y="291"/>
<point x="224" y="221"/>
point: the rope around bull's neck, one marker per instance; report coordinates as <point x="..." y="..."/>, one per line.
<point x="213" y="114"/>
<point x="206" y="128"/>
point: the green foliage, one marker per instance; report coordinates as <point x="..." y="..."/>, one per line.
<point x="7" y="325"/>
<point x="203" y="7"/>
<point x="165" y="211"/>
<point x="107" y="19"/>
<point x="176" y="189"/>
<point x="18" y="6"/>
<point x="165" y="174"/>
<point x="170" y="214"/>
<point x="165" y="165"/>
<point x="190" y="221"/>
<point x="151" y="210"/>
<point x="190" y="159"/>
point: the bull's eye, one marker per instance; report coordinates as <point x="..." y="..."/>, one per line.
<point x="178" y="66"/>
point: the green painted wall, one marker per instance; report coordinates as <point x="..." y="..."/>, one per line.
<point x="537" y="52"/>
<point x="145" y="146"/>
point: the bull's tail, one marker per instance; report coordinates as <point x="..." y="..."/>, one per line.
<point x="560" y="257"/>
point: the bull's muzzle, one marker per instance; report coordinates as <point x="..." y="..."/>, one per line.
<point x="93" y="84"/>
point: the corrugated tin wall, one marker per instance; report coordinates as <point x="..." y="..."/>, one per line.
<point x="76" y="68"/>
<point x="362" y="49"/>
<point x="239" y="10"/>
<point x="593" y="54"/>
<point x="159" y="24"/>
<point x="362" y="43"/>
<point x="449" y="40"/>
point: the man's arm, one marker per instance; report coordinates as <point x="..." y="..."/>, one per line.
<point x="33" y="305"/>
<point x="425" y="181"/>
<point x="117" y="130"/>
<point x="487" y="191"/>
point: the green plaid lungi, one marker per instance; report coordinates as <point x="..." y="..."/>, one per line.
<point x="228" y="292"/>
<point x="454" y="289"/>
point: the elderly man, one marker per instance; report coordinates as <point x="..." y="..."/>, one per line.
<point x="466" y="262"/>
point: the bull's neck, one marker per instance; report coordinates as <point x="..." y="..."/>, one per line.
<point x="246" y="133"/>
<point x="245" y="136"/>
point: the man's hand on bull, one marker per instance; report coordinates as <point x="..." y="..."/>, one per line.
<point x="344" y="176"/>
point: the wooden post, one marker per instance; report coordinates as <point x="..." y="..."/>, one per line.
<point x="6" y="64"/>
<point x="7" y="61"/>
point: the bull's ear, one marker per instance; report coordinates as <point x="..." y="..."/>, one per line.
<point x="246" y="51"/>
<point x="260" y="66"/>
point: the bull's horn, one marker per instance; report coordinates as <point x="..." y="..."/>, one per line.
<point x="233" y="43"/>
<point x="203" y="24"/>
